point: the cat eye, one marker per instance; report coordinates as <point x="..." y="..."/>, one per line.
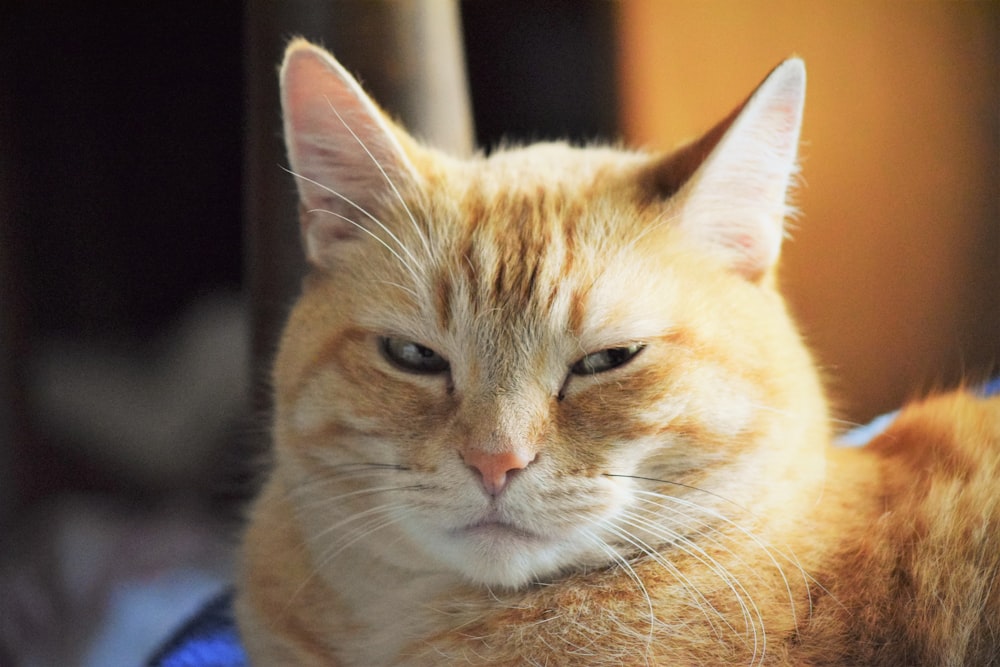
<point x="413" y="357"/>
<point x="605" y="360"/>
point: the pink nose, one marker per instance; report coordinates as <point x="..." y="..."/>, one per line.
<point x="496" y="469"/>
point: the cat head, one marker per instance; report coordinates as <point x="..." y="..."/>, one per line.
<point x="515" y="365"/>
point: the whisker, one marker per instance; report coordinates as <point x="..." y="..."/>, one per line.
<point x="333" y="500"/>
<point x="378" y="509"/>
<point x="681" y="485"/>
<point x="402" y="287"/>
<point x="634" y="576"/>
<point x="729" y="522"/>
<point x="355" y="536"/>
<point x="332" y="473"/>
<point x="373" y="235"/>
<point x="708" y="537"/>
<point x="679" y="542"/>
<point x="701" y="602"/>
<point x="366" y="465"/>
<point x="392" y="185"/>
<point x="413" y="260"/>
<point x="359" y="534"/>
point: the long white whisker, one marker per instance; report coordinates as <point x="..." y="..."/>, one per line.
<point x="378" y="509"/>
<point x="413" y="260"/>
<point x="355" y="535"/>
<point x="373" y="235"/>
<point x="333" y="474"/>
<point x="402" y="287"/>
<point x="790" y="556"/>
<point x="740" y="593"/>
<point x="333" y="500"/>
<point x="359" y="207"/>
<point x="726" y="520"/>
<point x="686" y="521"/>
<point x="697" y="597"/>
<point x="392" y="185"/>
<point x="707" y="536"/>
<point x="634" y="576"/>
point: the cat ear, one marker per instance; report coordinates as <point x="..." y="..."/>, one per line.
<point x="343" y="151"/>
<point x="734" y="198"/>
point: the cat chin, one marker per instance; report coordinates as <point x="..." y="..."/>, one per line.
<point x="500" y="556"/>
<point x="509" y="569"/>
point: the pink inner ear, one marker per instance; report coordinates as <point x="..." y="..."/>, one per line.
<point x="752" y="259"/>
<point x="736" y="200"/>
<point x="344" y="153"/>
<point x="324" y="233"/>
<point x="785" y="113"/>
<point x="313" y="95"/>
<point x="335" y="134"/>
<point x="303" y="79"/>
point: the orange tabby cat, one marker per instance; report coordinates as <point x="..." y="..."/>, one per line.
<point x="547" y="407"/>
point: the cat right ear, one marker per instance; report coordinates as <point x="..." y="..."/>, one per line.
<point x="343" y="151"/>
<point x="731" y="186"/>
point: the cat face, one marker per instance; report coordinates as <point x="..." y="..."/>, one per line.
<point x="547" y="359"/>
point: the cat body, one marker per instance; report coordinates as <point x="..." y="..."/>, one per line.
<point x="548" y="407"/>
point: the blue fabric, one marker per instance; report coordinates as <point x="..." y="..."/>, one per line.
<point x="991" y="388"/>
<point x="208" y="640"/>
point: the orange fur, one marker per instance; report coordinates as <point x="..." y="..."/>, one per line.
<point x="684" y="506"/>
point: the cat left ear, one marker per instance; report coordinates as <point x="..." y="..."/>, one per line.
<point x="343" y="151"/>
<point x="735" y="200"/>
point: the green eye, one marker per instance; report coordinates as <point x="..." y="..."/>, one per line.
<point x="413" y="357"/>
<point x="605" y="360"/>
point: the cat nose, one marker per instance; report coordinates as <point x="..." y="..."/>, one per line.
<point x="496" y="469"/>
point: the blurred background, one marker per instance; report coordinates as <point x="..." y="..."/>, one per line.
<point x="148" y="246"/>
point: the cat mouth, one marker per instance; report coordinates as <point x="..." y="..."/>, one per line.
<point x="495" y="529"/>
